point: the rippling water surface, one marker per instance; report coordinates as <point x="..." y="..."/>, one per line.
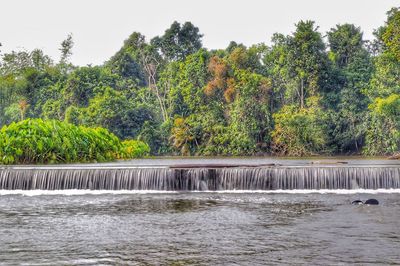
<point x="198" y="229"/>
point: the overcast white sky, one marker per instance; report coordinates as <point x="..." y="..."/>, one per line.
<point x="99" y="27"/>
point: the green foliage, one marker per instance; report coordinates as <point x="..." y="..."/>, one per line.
<point x="111" y="109"/>
<point x="51" y="141"/>
<point x="127" y="63"/>
<point x="66" y="49"/>
<point x="12" y="113"/>
<point x="134" y="149"/>
<point x="18" y="62"/>
<point x="391" y="33"/>
<point x="298" y="132"/>
<point x="345" y="41"/>
<point x="157" y="136"/>
<point x="179" y="41"/>
<point x="181" y="136"/>
<point x="84" y="82"/>
<point x="383" y="135"/>
<point x="352" y="68"/>
<point x="186" y="81"/>
<point x="293" y="98"/>
<point x="298" y="65"/>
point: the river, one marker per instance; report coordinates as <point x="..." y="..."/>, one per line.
<point x="197" y="228"/>
<point x="105" y="214"/>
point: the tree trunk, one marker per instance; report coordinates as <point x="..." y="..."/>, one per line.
<point x="150" y="66"/>
<point x="302" y="94"/>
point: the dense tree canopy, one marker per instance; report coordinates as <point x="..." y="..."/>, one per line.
<point x="308" y="93"/>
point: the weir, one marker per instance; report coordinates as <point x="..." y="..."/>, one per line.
<point x="200" y="177"/>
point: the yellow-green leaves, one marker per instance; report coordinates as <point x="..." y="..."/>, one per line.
<point x="51" y="141"/>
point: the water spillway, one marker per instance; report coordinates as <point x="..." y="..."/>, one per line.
<point x="201" y="177"/>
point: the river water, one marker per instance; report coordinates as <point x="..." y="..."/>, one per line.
<point x="198" y="228"/>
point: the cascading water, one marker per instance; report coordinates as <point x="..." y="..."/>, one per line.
<point x="200" y="179"/>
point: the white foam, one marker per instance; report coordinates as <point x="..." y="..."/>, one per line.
<point x="77" y="192"/>
<point x="315" y="191"/>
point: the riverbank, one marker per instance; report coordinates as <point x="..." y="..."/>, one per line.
<point x="250" y="161"/>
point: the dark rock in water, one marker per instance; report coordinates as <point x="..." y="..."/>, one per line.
<point x="367" y="202"/>
<point x="372" y="202"/>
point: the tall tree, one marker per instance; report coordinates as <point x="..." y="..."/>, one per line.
<point x="383" y="135"/>
<point x="127" y="62"/>
<point x="66" y="49"/>
<point x="299" y="67"/>
<point x="352" y="69"/>
<point x="178" y="41"/>
<point x="306" y="62"/>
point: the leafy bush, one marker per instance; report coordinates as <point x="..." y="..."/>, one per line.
<point x="383" y="134"/>
<point x="298" y="133"/>
<point x="134" y="149"/>
<point x="52" y="141"/>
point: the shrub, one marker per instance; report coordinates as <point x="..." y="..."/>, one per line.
<point x="383" y="134"/>
<point x="134" y="149"/>
<point x="298" y="132"/>
<point x="52" y="141"/>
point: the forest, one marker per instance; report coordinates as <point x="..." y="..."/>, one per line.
<point x="306" y="93"/>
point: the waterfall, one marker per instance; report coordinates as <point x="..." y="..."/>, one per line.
<point x="199" y="179"/>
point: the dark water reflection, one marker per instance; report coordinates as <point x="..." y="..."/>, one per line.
<point x="199" y="229"/>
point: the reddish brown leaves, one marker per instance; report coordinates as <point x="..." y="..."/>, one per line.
<point x="221" y="81"/>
